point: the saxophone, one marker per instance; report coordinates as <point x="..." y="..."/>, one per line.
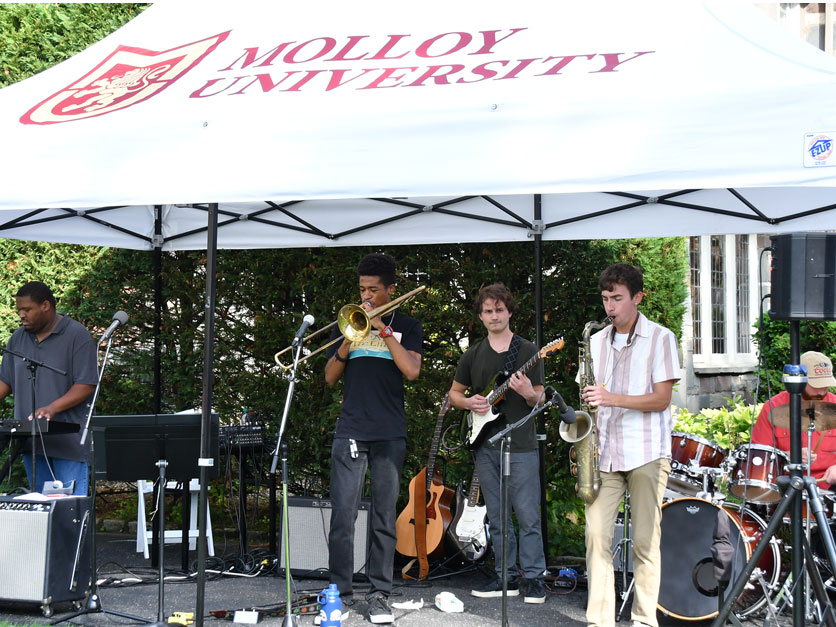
<point x="583" y="434"/>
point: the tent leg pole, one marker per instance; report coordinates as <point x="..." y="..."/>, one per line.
<point x="538" y="321"/>
<point x="208" y="359"/>
<point x="158" y="307"/>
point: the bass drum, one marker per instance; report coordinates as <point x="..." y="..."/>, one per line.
<point x="689" y="589"/>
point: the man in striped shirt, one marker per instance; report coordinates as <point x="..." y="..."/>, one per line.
<point x="636" y="365"/>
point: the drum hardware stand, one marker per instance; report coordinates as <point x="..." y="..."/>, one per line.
<point x="709" y="492"/>
<point x="625" y="549"/>
<point x="795" y="380"/>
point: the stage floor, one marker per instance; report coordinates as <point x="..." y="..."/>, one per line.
<point x="118" y="559"/>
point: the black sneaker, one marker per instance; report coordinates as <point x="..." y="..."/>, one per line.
<point x="379" y="611"/>
<point x="535" y="591"/>
<point x="494" y="589"/>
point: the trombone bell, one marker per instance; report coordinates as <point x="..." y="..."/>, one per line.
<point x="354" y="323"/>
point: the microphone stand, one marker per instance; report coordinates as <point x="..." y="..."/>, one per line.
<point x="505" y="479"/>
<point x="282" y="447"/>
<point x="94" y="601"/>
<point x="32" y="365"/>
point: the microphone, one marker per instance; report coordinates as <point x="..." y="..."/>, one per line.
<point x="307" y="321"/>
<point x="567" y="413"/>
<point x="119" y="318"/>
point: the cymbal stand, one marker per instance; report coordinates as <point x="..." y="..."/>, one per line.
<point x="625" y="551"/>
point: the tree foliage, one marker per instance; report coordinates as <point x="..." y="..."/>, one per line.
<point x="34" y="37"/>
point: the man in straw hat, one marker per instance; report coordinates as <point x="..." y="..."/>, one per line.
<point x="823" y="443"/>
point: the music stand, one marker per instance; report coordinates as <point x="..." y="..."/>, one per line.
<point x="168" y="445"/>
<point x="183" y="431"/>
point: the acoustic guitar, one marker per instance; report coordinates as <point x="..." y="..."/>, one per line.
<point x="422" y="523"/>
<point x="494" y="394"/>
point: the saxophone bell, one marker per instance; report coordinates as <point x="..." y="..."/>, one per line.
<point x="578" y="430"/>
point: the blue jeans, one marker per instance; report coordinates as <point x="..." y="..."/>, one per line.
<point x="348" y="476"/>
<point x="65" y="470"/>
<point x="524" y="491"/>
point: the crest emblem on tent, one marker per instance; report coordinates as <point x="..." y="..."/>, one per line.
<point x="127" y="76"/>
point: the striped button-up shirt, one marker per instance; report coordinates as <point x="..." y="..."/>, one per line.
<point x="630" y="438"/>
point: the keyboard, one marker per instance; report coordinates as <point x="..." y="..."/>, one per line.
<point x="24" y="427"/>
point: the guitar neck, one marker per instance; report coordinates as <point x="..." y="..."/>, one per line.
<point x="473" y="493"/>
<point x="500" y="390"/>
<point x="445" y="406"/>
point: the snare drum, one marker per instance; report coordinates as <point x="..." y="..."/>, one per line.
<point x="756" y="469"/>
<point x="688" y="452"/>
<point x="688" y="589"/>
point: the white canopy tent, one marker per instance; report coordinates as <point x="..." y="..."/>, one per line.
<point x="329" y="125"/>
<point x="336" y="124"/>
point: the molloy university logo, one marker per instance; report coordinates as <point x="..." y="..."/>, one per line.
<point x="374" y="61"/>
<point x="124" y="78"/>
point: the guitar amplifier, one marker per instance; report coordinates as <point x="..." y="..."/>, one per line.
<point x="44" y="549"/>
<point x="310" y="523"/>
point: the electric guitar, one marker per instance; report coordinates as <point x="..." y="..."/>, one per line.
<point x="468" y="532"/>
<point x="478" y="422"/>
<point x="429" y="503"/>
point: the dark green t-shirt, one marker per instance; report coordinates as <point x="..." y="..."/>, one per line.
<point x="476" y="369"/>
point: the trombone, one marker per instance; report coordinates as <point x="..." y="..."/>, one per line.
<point x="354" y="323"/>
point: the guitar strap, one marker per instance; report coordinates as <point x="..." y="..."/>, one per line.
<point x="511" y="357"/>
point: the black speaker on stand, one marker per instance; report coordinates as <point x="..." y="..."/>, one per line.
<point x="803" y="276"/>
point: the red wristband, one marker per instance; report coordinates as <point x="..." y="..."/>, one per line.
<point x="386" y="332"/>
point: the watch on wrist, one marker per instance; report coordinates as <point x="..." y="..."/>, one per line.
<point x="386" y="332"/>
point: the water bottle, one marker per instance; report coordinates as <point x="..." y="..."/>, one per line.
<point x="331" y="605"/>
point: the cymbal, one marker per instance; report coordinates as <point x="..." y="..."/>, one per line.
<point x="824" y="415"/>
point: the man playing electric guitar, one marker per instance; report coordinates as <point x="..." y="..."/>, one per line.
<point x="500" y="351"/>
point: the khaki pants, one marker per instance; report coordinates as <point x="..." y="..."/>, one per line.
<point x="647" y="487"/>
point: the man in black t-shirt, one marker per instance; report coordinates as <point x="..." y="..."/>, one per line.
<point x="371" y="433"/>
<point x="495" y="306"/>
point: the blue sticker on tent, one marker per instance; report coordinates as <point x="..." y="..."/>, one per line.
<point x="818" y="150"/>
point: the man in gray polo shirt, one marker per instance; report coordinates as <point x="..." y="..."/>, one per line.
<point x="57" y="341"/>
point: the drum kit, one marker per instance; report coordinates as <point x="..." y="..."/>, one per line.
<point x="693" y="499"/>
